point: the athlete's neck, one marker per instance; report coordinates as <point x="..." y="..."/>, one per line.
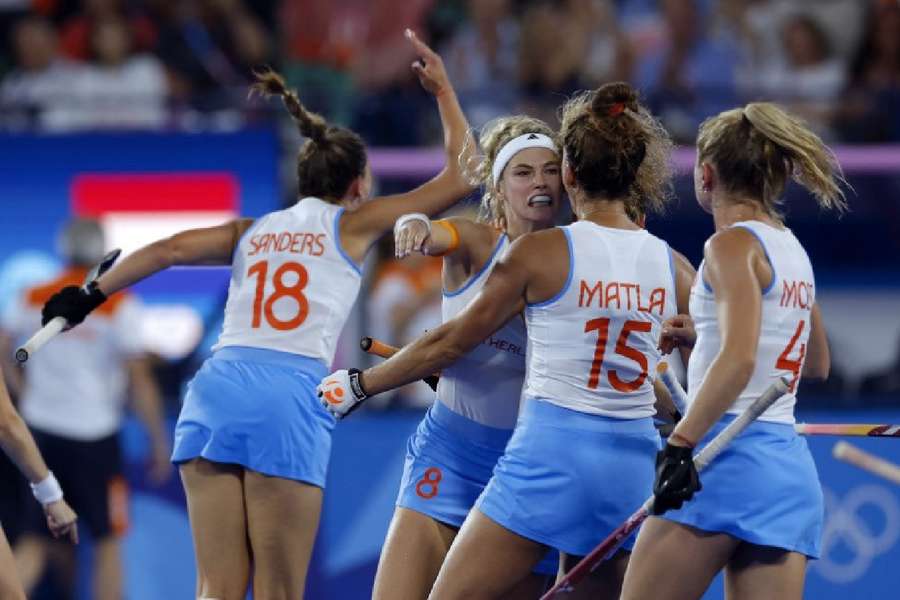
<point x="608" y="213"/>
<point x="730" y="210"/>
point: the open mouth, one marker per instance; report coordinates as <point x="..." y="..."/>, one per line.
<point x="540" y="200"/>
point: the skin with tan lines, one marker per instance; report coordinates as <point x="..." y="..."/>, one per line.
<point x="16" y="441"/>
<point x="240" y="519"/>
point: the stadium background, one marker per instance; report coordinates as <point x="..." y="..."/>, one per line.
<point x="156" y="135"/>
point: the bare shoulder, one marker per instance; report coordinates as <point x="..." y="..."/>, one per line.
<point x="478" y="237"/>
<point x="731" y="243"/>
<point x="535" y="243"/>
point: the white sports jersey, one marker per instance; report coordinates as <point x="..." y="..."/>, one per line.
<point x="75" y="387"/>
<point x="786" y="306"/>
<point x="486" y="384"/>
<point x="592" y="347"/>
<point x="292" y="284"/>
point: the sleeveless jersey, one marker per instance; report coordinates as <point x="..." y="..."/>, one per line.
<point x="592" y="347"/>
<point x="485" y="385"/>
<point x="786" y="307"/>
<point x="292" y="285"/>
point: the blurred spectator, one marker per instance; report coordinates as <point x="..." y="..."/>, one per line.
<point x="119" y="89"/>
<point x="870" y="110"/>
<point x="692" y="76"/>
<point x="608" y="55"/>
<point x="405" y="301"/>
<point x="76" y="33"/>
<point x="550" y="65"/>
<point x="37" y="92"/>
<point x="811" y="77"/>
<point x="482" y="60"/>
<point x="72" y="398"/>
<point x="210" y="48"/>
<point x="883" y="383"/>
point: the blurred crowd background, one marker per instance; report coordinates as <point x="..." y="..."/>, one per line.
<point x="96" y="94"/>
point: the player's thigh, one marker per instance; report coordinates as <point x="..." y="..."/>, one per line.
<point x="9" y="581"/>
<point x="413" y="553"/>
<point x="282" y="520"/>
<point x="676" y="558"/>
<point x="485" y="561"/>
<point x="762" y="572"/>
<point x="215" y="499"/>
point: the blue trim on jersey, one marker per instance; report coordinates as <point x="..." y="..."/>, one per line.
<point x="672" y="270"/>
<point x="768" y="258"/>
<point x="702" y="278"/>
<point x="565" y="286"/>
<point x="337" y="241"/>
<point x="480" y="272"/>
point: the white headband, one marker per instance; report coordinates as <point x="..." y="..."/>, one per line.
<point x="516" y="145"/>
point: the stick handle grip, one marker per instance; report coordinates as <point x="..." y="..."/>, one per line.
<point x="373" y="346"/>
<point x="37" y="341"/>
<point x="679" y="397"/>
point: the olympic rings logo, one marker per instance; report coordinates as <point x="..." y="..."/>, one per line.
<point x="850" y="542"/>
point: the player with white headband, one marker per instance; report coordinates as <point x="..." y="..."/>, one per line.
<point x="594" y="294"/>
<point x="252" y="441"/>
<point x="760" y="512"/>
<point x="16" y="441"/>
<point x="451" y="456"/>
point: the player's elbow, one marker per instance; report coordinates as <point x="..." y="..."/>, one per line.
<point x="10" y="423"/>
<point x="741" y="367"/>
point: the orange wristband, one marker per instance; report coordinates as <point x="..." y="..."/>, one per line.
<point x="454" y="236"/>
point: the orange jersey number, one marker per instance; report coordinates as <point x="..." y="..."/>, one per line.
<point x="294" y="291"/>
<point x="602" y="328"/>
<point x="793" y="366"/>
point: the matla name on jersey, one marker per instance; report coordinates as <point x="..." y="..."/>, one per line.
<point x="620" y="295"/>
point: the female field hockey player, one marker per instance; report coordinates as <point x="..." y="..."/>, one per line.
<point x="760" y="512"/>
<point x="252" y="440"/>
<point x="594" y="295"/>
<point x="19" y="445"/>
<point x="451" y="456"/>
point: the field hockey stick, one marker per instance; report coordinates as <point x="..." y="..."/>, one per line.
<point x="378" y="348"/>
<point x="848" y="429"/>
<point x="867" y="462"/>
<point x="679" y="397"/>
<point x="608" y="547"/>
<point x="55" y="325"/>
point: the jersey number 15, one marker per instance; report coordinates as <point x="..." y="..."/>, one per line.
<point x="602" y="328"/>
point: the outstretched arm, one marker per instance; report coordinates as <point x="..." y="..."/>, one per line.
<point x="361" y="227"/>
<point x="207" y="246"/>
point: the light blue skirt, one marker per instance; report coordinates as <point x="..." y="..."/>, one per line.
<point x="257" y="408"/>
<point x="763" y="488"/>
<point x="449" y="460"/>
<point x="569" y="478"/>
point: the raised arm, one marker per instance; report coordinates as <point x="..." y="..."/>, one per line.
<point x="361" y="227"/>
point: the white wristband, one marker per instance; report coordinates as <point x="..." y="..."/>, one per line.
<point x="404" y="219"/>
<point x="47" y="491"/>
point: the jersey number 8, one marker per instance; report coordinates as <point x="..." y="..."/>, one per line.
<point x="293" y="291"/>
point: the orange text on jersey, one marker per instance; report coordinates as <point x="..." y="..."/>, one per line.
<point x="797" y="294"/>
<point x="619" y="295"/>
<point x="295" y="243"/>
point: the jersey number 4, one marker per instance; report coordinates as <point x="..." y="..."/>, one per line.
<point x="294" y="291"/>
<point x="794" y="366"/>
<point x="602" y="328"/>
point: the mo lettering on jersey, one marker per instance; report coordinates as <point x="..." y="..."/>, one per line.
<point x="797" y="294"/>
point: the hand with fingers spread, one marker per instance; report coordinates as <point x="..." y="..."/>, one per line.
<point x="677" y="331"/>
<point x="411" y="232"/>
<point x="62" y="520"/>
<point x="429" y="67"/>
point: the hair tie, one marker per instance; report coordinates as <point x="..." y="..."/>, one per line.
<point x="616" y="109"/>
